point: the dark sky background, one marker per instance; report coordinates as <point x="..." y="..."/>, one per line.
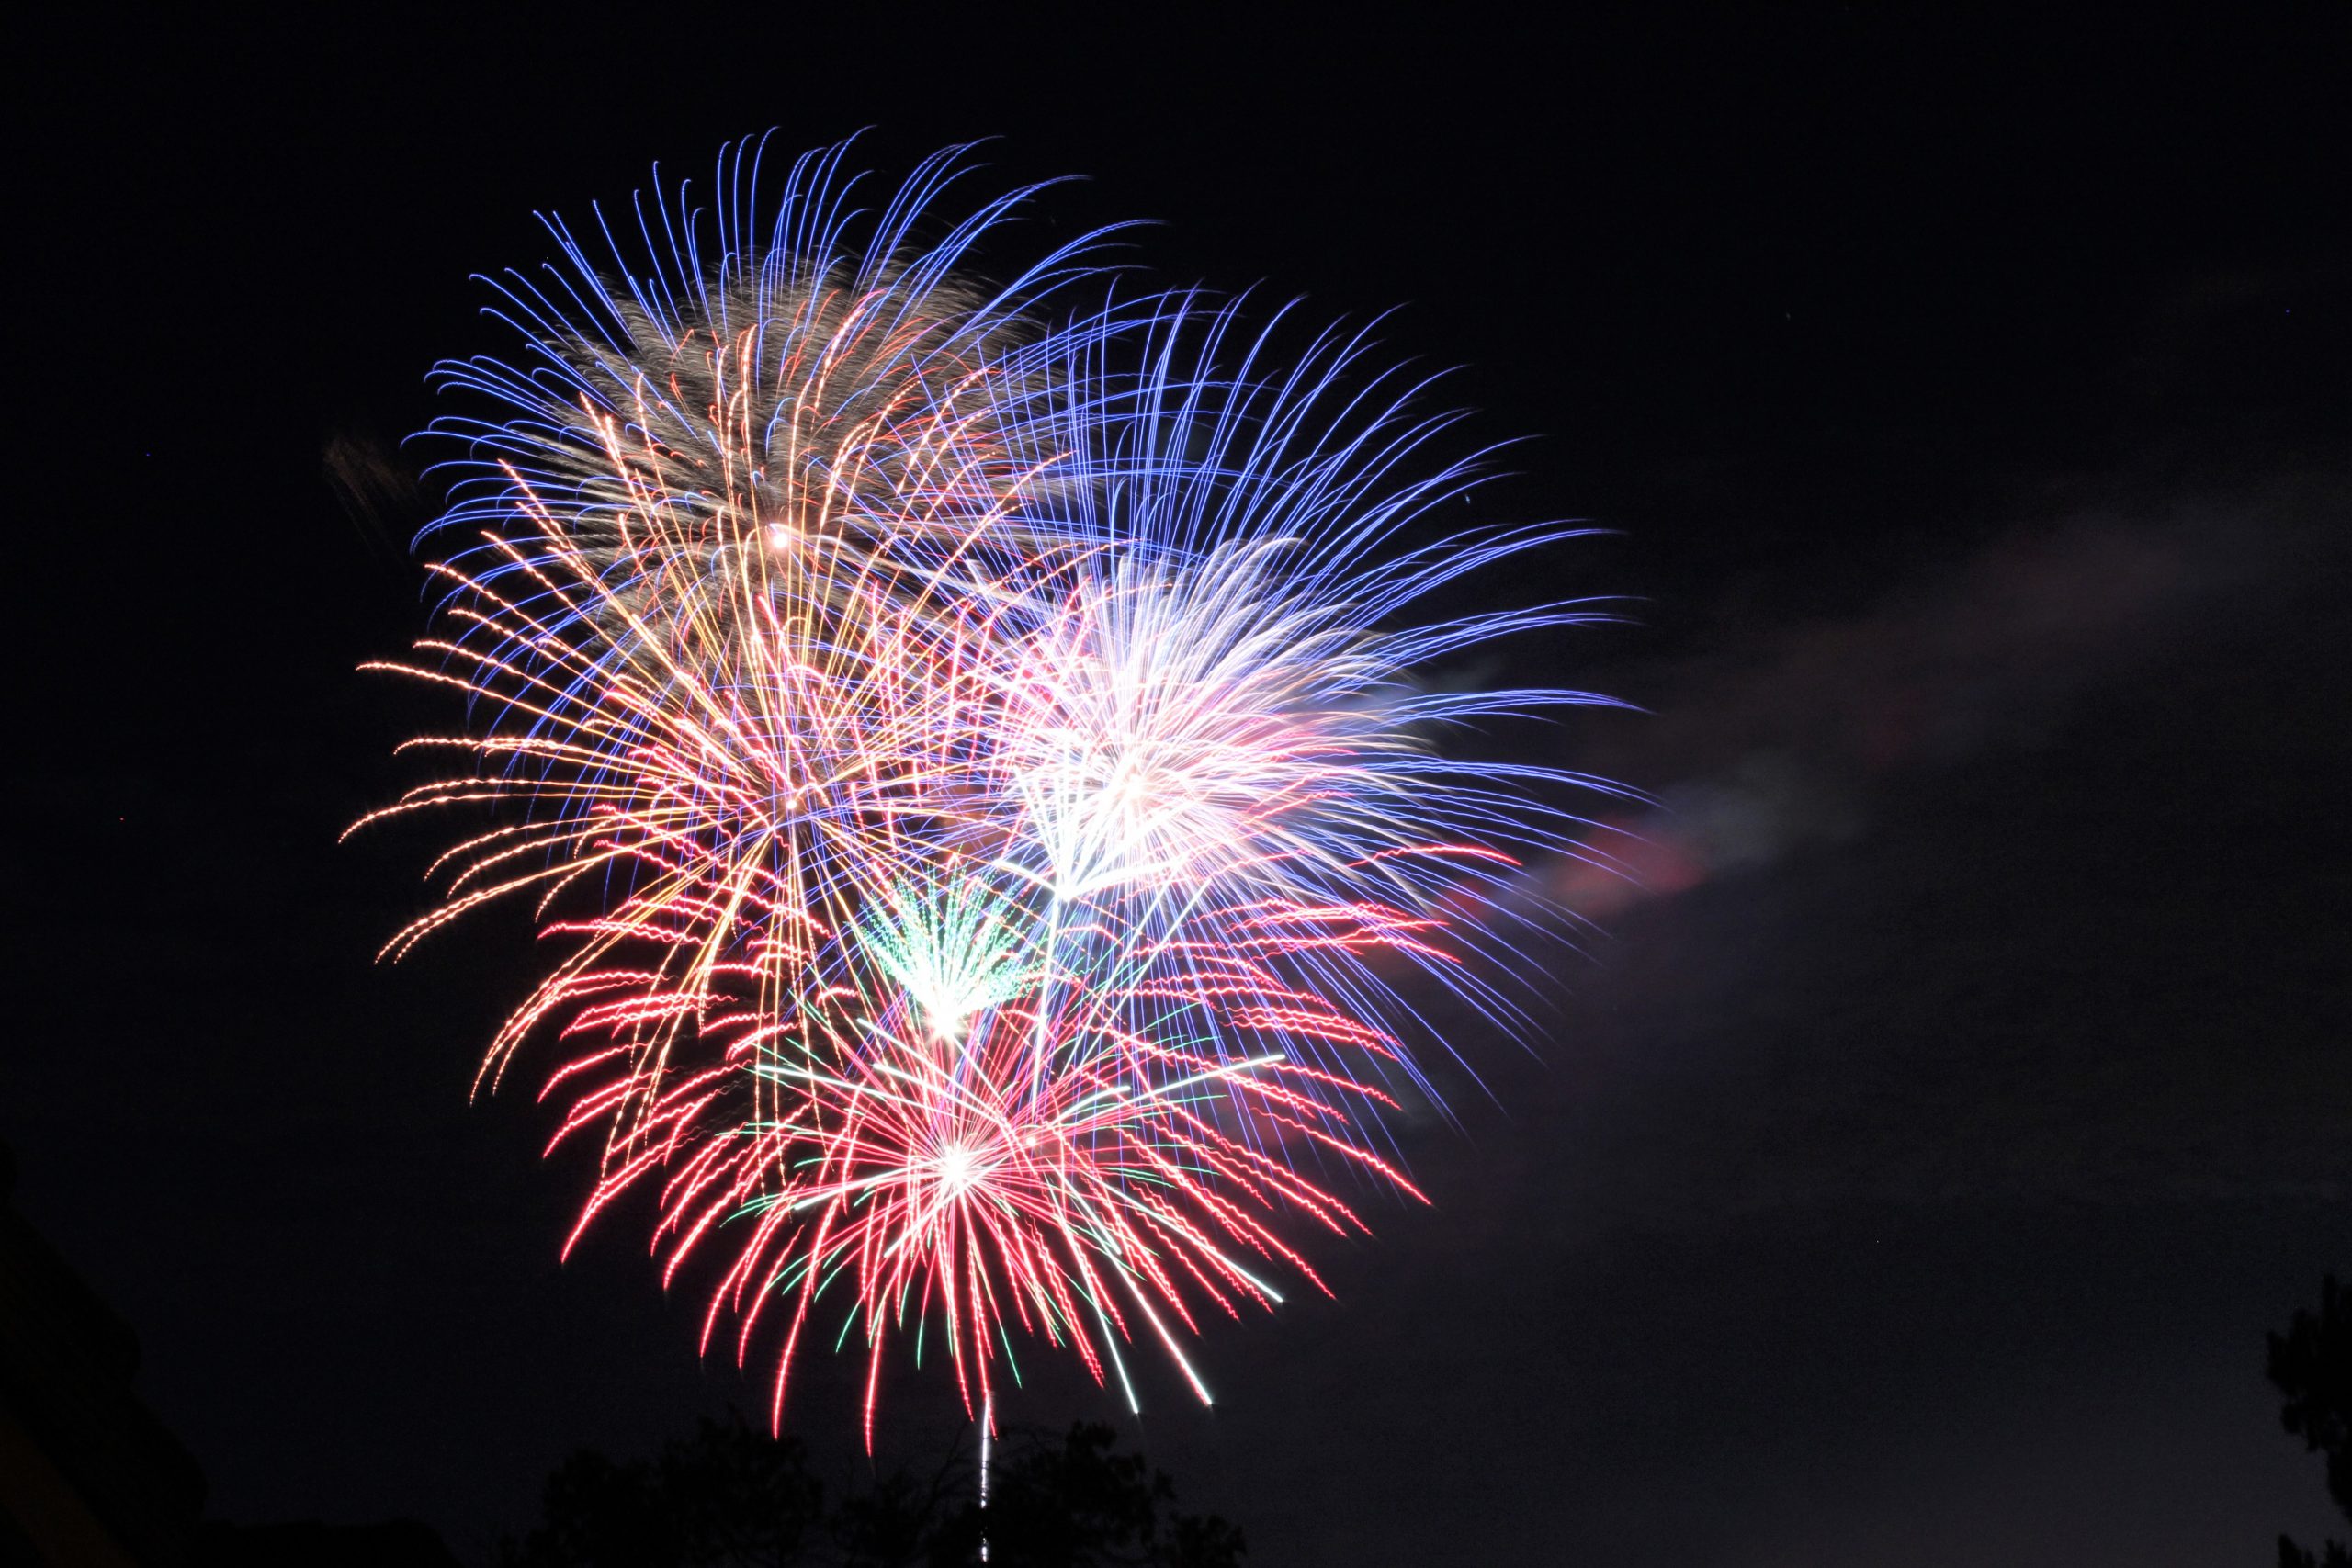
<point x="1915" y="1162"/>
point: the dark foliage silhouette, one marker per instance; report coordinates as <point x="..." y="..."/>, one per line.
<point x="2311" y="1366"/>
<point x="732" y="1497"/>
<point x="727" y="1497"/>
<point x="308" y="1543"/>
<point x="890" y="1524"/>
<point x="1081" y="1504"/>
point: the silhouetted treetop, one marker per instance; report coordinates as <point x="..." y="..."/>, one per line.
<point x="727" y="1497"/>
<point x="732" y="1497"/>
<point x="2311" y="1364"/>
<point x="1081" y="1504"/>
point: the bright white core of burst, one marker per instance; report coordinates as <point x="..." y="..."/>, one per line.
<point x="957" y="1169"/>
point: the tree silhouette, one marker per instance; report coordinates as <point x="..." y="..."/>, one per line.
<point x="2311" y="1365"/>
<point x="732" y="1497"/>
<point x="727" y="1497"/>
<point x="891" y="1524"/>
<point x="1082" y="1504"/>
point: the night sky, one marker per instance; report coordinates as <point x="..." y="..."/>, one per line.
<point x="1911" y="1168"/>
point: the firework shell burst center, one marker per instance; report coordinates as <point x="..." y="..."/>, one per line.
<point x="972" y="754"/>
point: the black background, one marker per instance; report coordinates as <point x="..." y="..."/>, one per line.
<point x="1910" y="1178"/>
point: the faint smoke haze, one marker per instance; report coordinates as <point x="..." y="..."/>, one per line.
<point x="1776" y="741"/>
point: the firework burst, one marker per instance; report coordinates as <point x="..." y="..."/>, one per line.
<point x="975" y="763"/>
